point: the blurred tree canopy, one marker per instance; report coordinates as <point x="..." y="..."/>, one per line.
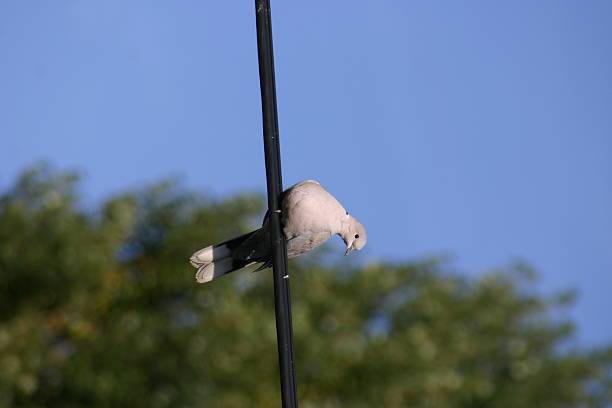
<point x="100" y="308"/>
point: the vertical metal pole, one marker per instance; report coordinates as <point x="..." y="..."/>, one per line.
<point x="282" y="296"/>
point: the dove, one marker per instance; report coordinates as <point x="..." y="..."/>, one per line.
<point x="310" y="215"/>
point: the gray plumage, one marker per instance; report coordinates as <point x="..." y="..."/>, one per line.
<point x="310" y="215"/>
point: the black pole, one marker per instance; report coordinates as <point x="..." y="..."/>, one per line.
<point x="282" y="295"/>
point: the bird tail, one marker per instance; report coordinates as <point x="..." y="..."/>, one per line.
<point x="216" y="260"/>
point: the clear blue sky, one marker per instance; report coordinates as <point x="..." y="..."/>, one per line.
<point x="483" y="129"/>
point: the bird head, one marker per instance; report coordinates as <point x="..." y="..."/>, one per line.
<point x="354" y="235"/>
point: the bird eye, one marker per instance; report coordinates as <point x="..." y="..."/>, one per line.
<point x="356" y="236"/>
<point x="346" y="212"/>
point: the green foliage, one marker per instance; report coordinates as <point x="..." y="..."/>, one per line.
<point x="101" y="309"/>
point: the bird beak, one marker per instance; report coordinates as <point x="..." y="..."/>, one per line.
<point x="348" y="250"/>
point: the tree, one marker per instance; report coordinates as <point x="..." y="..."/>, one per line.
<point x="100" y="308"/>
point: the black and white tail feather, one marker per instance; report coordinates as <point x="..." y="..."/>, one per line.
<point x="221" y="259"/>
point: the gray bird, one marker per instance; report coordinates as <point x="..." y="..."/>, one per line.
<point x="310" y="215"/>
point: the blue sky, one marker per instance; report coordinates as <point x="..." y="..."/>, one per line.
<point x="480" y="129"/>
